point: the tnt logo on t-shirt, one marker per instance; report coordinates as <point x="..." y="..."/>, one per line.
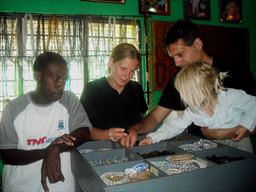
<point x="60" y="124"/>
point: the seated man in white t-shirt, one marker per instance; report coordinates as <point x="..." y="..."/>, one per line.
<point x="32" y="121"/>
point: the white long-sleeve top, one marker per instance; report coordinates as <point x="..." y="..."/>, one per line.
<point x="234" y="107"/>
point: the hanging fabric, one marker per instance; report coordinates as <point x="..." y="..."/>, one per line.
<point x="74" y="37"/>
<point x="84" y="41"/>
<point x="49" y="34"/>
<point x="56" y="41"/>
<point x="62" y="36"/>
<point x="38" y="35"/>
<point x="25" y="19"/>
<point x="43" y="34"/>
<point x="4" y="39"/>
<point x="112" y="32"/>
<point x="12" y="39"/>
<point x="123" y="31"/>
<point x="69" y="36"/>
<point x="134" y="29"/>
<point x="5" y="36"/>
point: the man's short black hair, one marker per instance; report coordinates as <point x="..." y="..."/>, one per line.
<point x="46" y="58"/>
<point x="182" y="29"/>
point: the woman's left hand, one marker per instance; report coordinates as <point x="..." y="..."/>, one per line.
<point x="240" y="133"/>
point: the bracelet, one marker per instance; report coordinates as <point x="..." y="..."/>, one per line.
<point x="108" y="134"/>
<point x="110" y="137"/>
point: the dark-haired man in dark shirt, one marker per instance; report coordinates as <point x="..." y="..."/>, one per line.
<point x="184" y="44"/>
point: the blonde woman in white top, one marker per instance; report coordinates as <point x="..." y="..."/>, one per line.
<point x="210" y="105"/>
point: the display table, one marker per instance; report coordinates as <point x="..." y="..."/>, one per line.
<point x="223" y="168"/>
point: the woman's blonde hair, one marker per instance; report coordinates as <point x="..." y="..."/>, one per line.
<point x="199" y="83"/>
<point x="124" y="50"/>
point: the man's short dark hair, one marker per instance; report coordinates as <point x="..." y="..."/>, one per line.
<point x="182" y="29"/>
<point x="46" y="58"/>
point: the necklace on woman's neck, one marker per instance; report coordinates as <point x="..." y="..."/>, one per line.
<point x="114" y="85"/>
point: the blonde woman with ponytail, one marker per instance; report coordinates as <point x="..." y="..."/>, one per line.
<point x="210" y="105"/>
<point x="115" y="102"/>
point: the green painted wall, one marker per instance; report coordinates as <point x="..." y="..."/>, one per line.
<point x="130" y="8"/>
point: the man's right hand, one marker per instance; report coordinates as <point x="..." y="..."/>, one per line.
<point x="129" y="140"/>
<point x="146" y="125"/>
